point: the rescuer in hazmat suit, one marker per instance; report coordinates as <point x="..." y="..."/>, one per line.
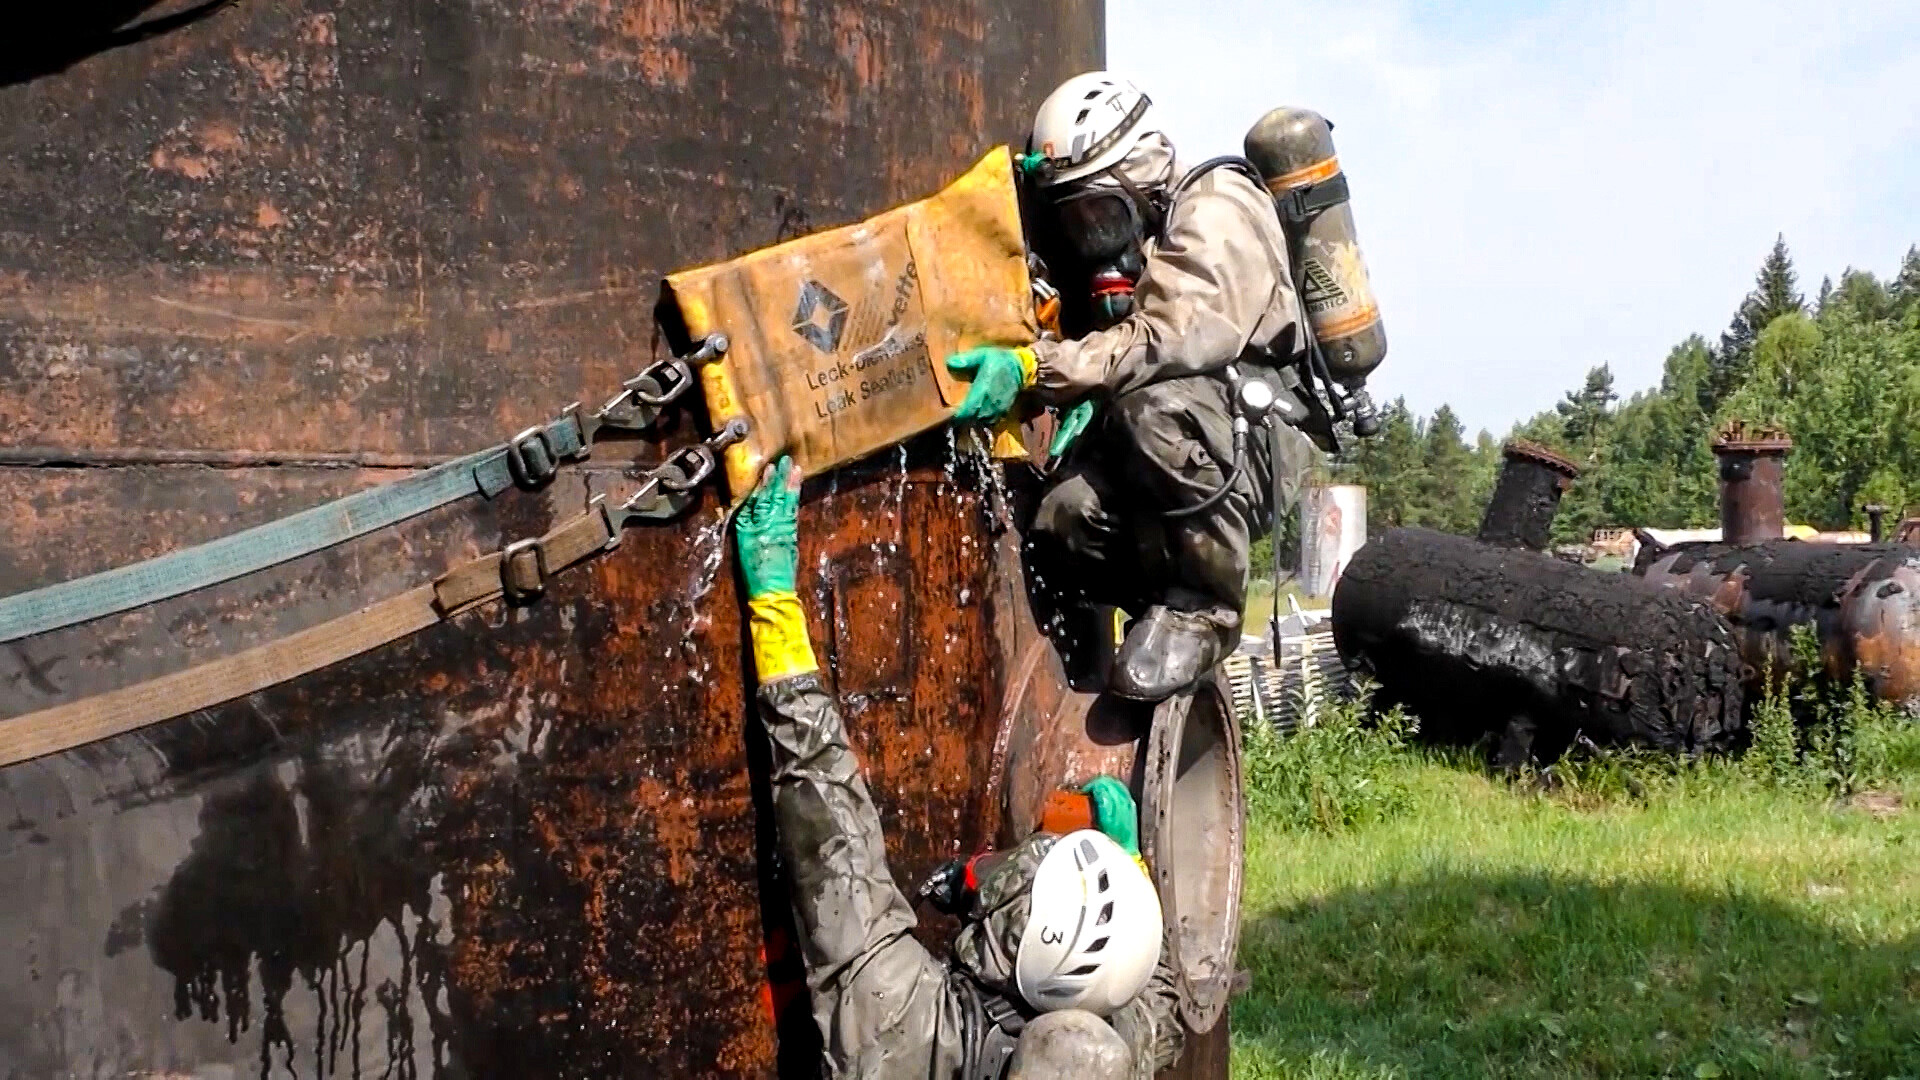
<point x="1191" y="275"/>
<point x="1058" y="970"/>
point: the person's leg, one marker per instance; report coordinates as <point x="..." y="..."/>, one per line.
<point x="1082" y="555"/>
<point x="1172" y="441"/>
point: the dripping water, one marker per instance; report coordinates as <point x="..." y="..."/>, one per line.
<point x="710" y="551"/>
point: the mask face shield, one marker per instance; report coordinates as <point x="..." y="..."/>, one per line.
<point x="1100" y="223"/>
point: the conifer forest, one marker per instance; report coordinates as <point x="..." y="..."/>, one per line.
<point x="1838" y="369"/>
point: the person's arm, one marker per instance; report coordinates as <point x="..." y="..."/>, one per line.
<point x="878" y="996"/>
<point x="1207" y="287"/>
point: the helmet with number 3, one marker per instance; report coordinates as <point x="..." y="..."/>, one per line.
<point x="1093" y="933"/>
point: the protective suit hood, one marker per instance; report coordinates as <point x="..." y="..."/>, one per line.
<point x="1150" y="165"/>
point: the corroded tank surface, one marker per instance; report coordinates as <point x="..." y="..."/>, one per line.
<point x="253" y="256"/>
<point x="1526" y="498"/>
<point x="1861" y="600"/>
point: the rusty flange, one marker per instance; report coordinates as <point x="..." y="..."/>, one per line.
<point x="1193" y="820"/>
<point x="1526" y="450"/>
<point x="1740" y="436"/>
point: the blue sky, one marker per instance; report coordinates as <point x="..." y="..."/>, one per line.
<point x="1542" y="187"/>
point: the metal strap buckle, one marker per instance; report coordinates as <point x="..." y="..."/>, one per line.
<point x="523" y="571"/>
<point x="532" y="458"/>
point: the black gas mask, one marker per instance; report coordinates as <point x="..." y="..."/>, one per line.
<point x="1107" y="227"/>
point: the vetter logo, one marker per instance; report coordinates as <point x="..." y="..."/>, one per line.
<point x="821" y="317"/>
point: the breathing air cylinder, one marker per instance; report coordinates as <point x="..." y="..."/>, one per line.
<point x="1293" y="149"/>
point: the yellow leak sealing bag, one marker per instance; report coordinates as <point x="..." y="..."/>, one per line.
<point x="838" y="341"/>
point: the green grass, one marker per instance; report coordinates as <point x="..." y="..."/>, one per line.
<point x="1632" y="918"/>
<point x="1260" y="603"/>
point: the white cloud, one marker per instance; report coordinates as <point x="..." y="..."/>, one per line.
<point x="1545" y="190"/>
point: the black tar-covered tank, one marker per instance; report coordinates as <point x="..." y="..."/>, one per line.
<point x="1479" y="640"/>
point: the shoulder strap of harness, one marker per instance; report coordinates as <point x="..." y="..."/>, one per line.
<point x="1296" y="206"/>
<point x="1226" y="161"/>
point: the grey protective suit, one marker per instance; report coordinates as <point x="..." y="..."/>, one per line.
<point x="1216" y="290"/>
<point x="886" y="1007"/>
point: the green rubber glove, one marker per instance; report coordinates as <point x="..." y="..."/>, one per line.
<point x="1114" y="811"/>
<point x="1072" y="423"/>
<point x="767" y="531"/>
<point x="998" y="377"/>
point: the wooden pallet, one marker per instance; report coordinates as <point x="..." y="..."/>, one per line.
<point x="1286" y="689"/>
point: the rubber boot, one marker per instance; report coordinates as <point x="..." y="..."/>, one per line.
<point x="1167" y="652"/>
<point x="1194" y="627"/>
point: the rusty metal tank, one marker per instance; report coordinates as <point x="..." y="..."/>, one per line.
<point x="1753" y="476"/>
<point x="255" y="256"/>
<point x="1862" y="600"/>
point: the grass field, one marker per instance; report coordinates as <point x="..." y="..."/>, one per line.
<point x="1260" y="603"/>
<point x="1690" y="923"/>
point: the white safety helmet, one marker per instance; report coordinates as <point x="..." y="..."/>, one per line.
<point x="1093" y="934"/>
<point x="1088" y="124"/>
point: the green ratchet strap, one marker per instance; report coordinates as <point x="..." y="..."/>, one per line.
<point x="528" y="460"/>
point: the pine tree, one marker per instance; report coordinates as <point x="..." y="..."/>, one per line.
<point x="1862" y="296"/>
<point x="1449" y="475"/>
<point x="1905" y="290"/>
<point x="1773" y="295"/>
<point x="1583" y="413"/>
<point x="1826" y="294"/>
<point x="1389" y="466"/>
<point x="1844" y="381"/>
